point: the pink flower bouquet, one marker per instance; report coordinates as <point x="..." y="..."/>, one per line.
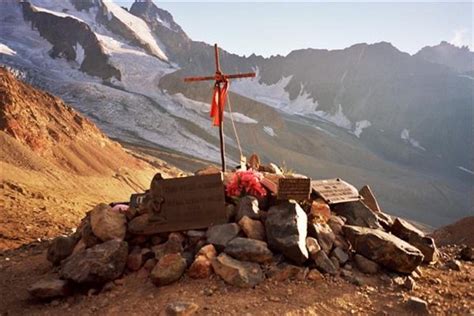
<point x="246" y="183"/>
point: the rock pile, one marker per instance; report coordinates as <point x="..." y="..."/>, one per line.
<point x="264" y="238"/>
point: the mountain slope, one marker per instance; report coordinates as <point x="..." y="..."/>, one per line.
<point x="365" y="113"/>
<point x="55" y="164"/>
<point x="460" y="59"/>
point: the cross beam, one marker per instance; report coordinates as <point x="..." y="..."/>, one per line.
<point x="219" y="79"/>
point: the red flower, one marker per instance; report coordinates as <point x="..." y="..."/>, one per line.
<point x="246" y="183"/>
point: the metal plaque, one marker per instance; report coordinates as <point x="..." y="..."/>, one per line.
<point x="187" y="203"/>
<point x="286" y="188"/>
<point x="335" y="191"/>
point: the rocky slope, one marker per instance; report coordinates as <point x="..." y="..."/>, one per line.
<point x="460" y="59"/>
<point x="55" y="163"/>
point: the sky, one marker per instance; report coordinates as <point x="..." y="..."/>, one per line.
<point x="277" y="28"/>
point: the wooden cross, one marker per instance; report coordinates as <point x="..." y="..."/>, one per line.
<point x="221" y="81"/>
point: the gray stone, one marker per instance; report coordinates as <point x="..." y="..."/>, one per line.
<point x="417" y="305"/>
<point x="238" y="273"/>
<point x="385" y="249"/>
<point x="324" y="235"/>
<point x="252" y="228"/>
<point x="313" y="246"/>
<point x="357" y="214"/>
<point x="220" y="235"/>
<point x="49" y="288"/>
<point x="174" y="244"/>
<point x="108" y="224"/>
<point x="369" y="198"/>
<point x="180" y="309"/>
<point x="454" y="264"/>
<point x="61" y="248"/>
<point x="247" y="249"/>
<point x="135" y="259"/>
<point x="366" y="265"/>
<point x="324" y="264"/>
<point x="99" y="264"/>
<point x="340" y="255"/>
<point x="169" y="269"/>
<point x="467" y="253"/>
<point x="336" y="223"/>
<point x="286" y="228"/>
<point x="409" y="233"/>
<point x="247" y="206"/>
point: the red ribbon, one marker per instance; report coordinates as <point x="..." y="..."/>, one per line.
<point x="218" y="103"/>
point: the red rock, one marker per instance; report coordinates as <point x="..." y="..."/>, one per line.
<point x="201" y="268"/>
<point x="252" y="228"/>
<point x="168" y="269"/>
<point x="135" y="259"/>
<point x="208" y="251"/>
<point x="319" y="211"/>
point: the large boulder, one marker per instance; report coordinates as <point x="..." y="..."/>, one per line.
<point x="220" y="235"/>
<point x="357" y="214"/>
<point x="108" y="224"/>
<point x="49" y="288"/>
<point x="169" y="269"/>
<point x="286" y="228"/>
<point x="324" y="234"/>
<point x="409" y="233"/>
<point x="61" y="248"/>
<point x="365" y="265"/>
<point x="385" y="249"/>
<point x="252" y="228"/>
<point x="247" y="206"/>
<point x="99" y="264"/>
<point x="238" y="273"/>
<point x="247" y="249"/>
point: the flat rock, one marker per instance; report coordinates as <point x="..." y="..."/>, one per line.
<point x="247" y="249"/>
<point x="324" y="234"/>
<point x="283" y="272"/>
<point x="369" y="198"/>
<point x="180" y="309"/>
<point x="238" y="273"/>
<point x="247" y="206"/>
<point x="341" y="256"/>
<point x="385" y="249"/>
<point x="99" y="264"/>
<point x="252" y="228"/>
<point x="286" y="228"/>
<point x="409" y="233"/>
<point x="324" y="264"/>
<point x="108" y="224"/>
<point x="220" y="235"/>
<point x="49" y="288"/>
<point x="60" y="248"/>
<point x="366" y="265"/>
<point x="169" y="269"/>
<point x="417" y="305"/>
<point x="357" y="214"/>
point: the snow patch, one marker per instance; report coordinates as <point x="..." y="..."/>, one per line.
<point x="466" y="170"/>
<point x="338" y="118"/>
<point x="79" y="53"/>
<point x="269" y="131"/>
<point x="4" y="49"/>
<point x="137" y="26"/>
<point x="405" y="135"/>
<point x="59" y="14"/>
<point x="359" y="127"/>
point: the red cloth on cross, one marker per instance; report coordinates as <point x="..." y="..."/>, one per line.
<point x="218" y="103"/>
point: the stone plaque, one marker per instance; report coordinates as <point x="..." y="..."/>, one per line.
<point x="335" y="191"/>
<point x="288" y="188"/>
<point x="187" y="203"/>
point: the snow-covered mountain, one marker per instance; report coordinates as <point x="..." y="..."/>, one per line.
<point x="363" y="113"/>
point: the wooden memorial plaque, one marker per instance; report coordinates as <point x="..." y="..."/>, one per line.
<point x="335" y="191"/>
<point x="288" y="188"/>
<point x="188" y="203"/>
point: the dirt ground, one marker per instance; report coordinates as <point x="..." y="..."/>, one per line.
<point x="448" y="292"/>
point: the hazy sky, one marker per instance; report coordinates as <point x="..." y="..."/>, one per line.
<point x="268" y="28"/>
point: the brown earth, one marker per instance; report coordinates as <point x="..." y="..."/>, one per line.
<point x="55" y="165"/>
<point x="446" y="291"/>
<point x="459" y="232"/>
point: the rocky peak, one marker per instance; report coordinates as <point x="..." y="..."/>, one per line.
<point x="149" y="12"/>
<point x="460" y="59"/>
